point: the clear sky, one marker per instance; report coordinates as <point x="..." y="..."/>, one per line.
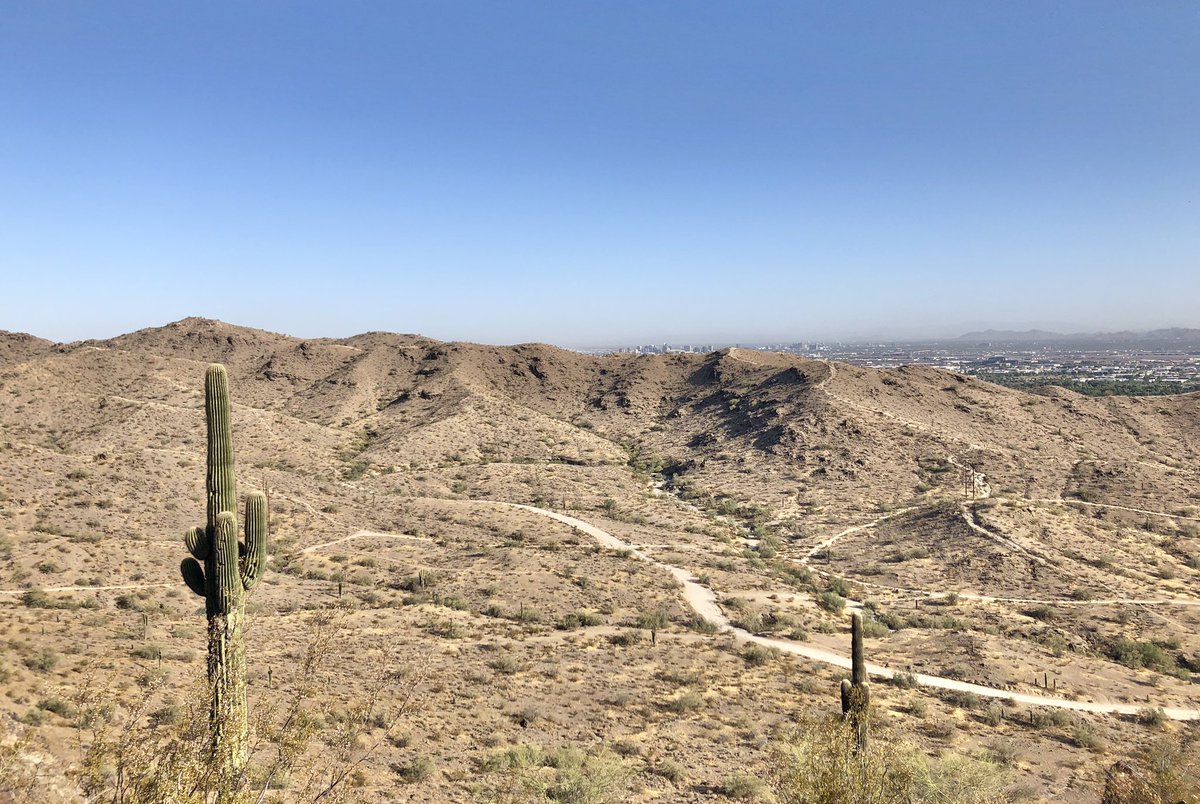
<point x="604" y="172"/>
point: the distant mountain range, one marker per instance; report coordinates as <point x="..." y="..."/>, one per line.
<point x="1171" y="335"/>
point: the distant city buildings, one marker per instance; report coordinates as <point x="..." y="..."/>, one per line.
<point x="1022" y="363"/>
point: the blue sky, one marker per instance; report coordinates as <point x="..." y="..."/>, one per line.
<point x="602" y="172"/>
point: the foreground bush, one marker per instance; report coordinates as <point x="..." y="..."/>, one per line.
<point x="821" y="764"/>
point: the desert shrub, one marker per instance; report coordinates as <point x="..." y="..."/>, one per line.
<point x="38" y="599"/>
<point x="893" y="622"/>
<point x="126" y="602"/>
<point x="832" y="602"/>
<point x="840" y="586"/>
<point x="146" y="652"/>
<point x="1084" y="735"/>
<point x="1044" y="717"/>
<point x="1152" y="716"/>
<point x="418" y="769"/>
<point x="518" y="756"/>
<point x="873" y="628"/>
<point x="757" y="655"/>
<point x="961" y="699"/>
<point x="58" y="706"/>
<point x="820" y="764"/>
<point x="416" y="583"/>
<point x="689" y="701"/>
<point x="751" y="622"/>
<point x="625" y="638"/>
<point x="957" y="779"/>
<point x="668" y="769"/>
<point x="43" y="661"/>
<point x="527" y="716"/>
<point x="744" y="787"/>
<point x="526" y="615"/>
<point x="570" y="775"/>
<point x="1139" y="654"/>
<point x="580" y="619"/>
<point x="506" y="665"/>
<point x="904" y="680"/>
<point x="1040" y="612"/>
<point x="1165" y="770"/>
<point x="447" y="629"/>
<point x="654" y="620"/>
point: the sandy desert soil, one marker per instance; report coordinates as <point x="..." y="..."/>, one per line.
<point x="1041" y="544"/>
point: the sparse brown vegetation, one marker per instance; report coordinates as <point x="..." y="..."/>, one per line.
<point x="390" y="455"/>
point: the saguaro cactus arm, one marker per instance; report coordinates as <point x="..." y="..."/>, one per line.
<point x="255" y="556"/>
<point x="224" y="572"/>
<point x="193" y="576"/>
<point x="197" y="543"/>
<point x="219" y="481"/>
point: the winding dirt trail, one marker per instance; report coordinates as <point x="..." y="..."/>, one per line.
<point x="74" y="588"/>
<point x="828" y="542"/>
<point x="704" y="602"/>
<point x="361" y="534"/>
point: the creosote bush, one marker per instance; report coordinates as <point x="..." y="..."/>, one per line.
<point x="821" y="763"/>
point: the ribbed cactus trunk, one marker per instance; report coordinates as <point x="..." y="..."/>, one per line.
<point x="231" y="569"/>
<point x="856" y="692"/>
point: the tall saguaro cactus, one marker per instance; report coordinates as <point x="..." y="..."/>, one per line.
<point x="222" y="570"/>
<point x="856" y="692"/>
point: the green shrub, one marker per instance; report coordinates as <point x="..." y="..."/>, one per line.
<point x="819" y="763"/>
<point x="43" y="661"/>
<point x="832" y="602"/>
<point x="757" y="655"/>
<point x="418" y="769"/>
<point x="840" y="586"/>
<point x="689" y="701"/>
<point x="58" y="706"/>
<point x="743" y="787"/>
<point x="580" y="619"/>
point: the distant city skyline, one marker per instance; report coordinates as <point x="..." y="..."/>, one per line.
<point x="587" y="174"/>
<point x="705" y="344"/>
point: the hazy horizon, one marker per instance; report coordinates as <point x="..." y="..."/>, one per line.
<point x="589" y="175"/>
<point x="717" y="341"/>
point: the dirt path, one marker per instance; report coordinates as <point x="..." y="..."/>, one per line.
<point x="1061" y="501"/>
<point x="74" y="588"/>
<point x="361" y="534"/>
<point x="827" y="543"/>
<point x="703" y="601"/>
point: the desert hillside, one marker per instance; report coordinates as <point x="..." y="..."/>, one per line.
<point x="1030" y="544"/>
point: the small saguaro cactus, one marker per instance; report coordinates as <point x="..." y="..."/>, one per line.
<point x="856" y="692"/>
<point x="222" y="570"/>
